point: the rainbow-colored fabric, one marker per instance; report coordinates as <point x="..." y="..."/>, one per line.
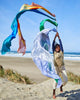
<point x="15" y="26"/>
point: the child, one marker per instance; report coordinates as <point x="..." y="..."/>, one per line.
<point x="59" y="63"/>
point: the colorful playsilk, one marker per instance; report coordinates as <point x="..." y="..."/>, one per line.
<point x="42" y="57"/>
<point x="43" y="21"/>
<point x="14" y="26"/>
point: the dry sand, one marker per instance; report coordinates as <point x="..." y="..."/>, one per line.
<point x="24" y="66"/>
<point x="73" y="66"/>
<point x="40" y="91"/>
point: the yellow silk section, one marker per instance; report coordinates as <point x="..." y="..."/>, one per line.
<point x="29" y="7"/>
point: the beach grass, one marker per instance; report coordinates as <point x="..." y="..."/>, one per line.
<point x="74" y="78"/>
<point x="14" y="76"/>
<point x="18" y="78"/>
<point x="1" y="71"/>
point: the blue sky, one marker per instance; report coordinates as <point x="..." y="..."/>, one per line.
<point x="68" y="17"/>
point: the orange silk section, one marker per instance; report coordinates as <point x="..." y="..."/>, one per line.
<point x="22" y="44"/>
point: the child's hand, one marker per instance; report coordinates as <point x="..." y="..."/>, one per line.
<point x="57" y="35"/>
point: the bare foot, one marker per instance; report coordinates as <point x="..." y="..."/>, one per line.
<point x="54" y="97"/>
<point x="61" y="91"/>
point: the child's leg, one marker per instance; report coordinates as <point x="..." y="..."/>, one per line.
<point x="65" y="79"/>
<point x="54" y="89"/>
<point x="55" y="84"/>
<point x="61" y="89"/>
<point x="54" y="93"/>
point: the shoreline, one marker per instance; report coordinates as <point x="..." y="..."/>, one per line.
<point x="28" y="55"/>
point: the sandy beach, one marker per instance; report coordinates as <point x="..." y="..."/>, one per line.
<point x="41" y="91"/>
<point x="24" y="66"/>
<point x="42" y="87"/>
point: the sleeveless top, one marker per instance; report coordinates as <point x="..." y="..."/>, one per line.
<point x="58" y="59"/>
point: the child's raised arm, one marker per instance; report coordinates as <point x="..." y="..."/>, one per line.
<point x="61" y="46"/>
<point x="53" y="44"/>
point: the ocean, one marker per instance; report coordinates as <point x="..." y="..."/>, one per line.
<point x="67" y="55"/>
